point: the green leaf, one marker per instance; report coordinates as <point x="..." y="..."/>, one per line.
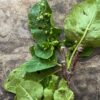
<point x="29" y="90"/>
<point x="41" y="76"/>
<point x="44" y="54"/>
<point x="14" y="78"/>
<point x="84" y="17"/>
<point x="38" y="64"/>
<point x="63" y="92"/>
<point x="53" y="82"/>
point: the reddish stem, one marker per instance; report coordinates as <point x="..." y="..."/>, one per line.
<point x="75" y="60"/>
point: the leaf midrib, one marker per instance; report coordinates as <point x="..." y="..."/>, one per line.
<point x="29" y="96"/>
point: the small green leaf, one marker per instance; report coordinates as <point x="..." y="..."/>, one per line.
<point x="44" y="54"/>
<point x="38" y="64"/>
<point x="62" y="83"/>
<point x="14" y="78"/>
<point x="53" y="82"/>
<point x="63" y="92"/>
<point x="29" y="90"/>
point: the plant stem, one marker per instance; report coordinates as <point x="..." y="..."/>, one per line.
<point x="75" y="61"/>
<point x="81" y="40"/>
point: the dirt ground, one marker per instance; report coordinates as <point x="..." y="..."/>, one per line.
<point x="15" y="41"/>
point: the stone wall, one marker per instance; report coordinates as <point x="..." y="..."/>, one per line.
<point x="15" y="41"/>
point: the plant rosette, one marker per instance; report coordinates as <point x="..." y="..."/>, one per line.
<point x="47" y="75"/>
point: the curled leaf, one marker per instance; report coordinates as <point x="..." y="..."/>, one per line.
<point x="44" y="54"/>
